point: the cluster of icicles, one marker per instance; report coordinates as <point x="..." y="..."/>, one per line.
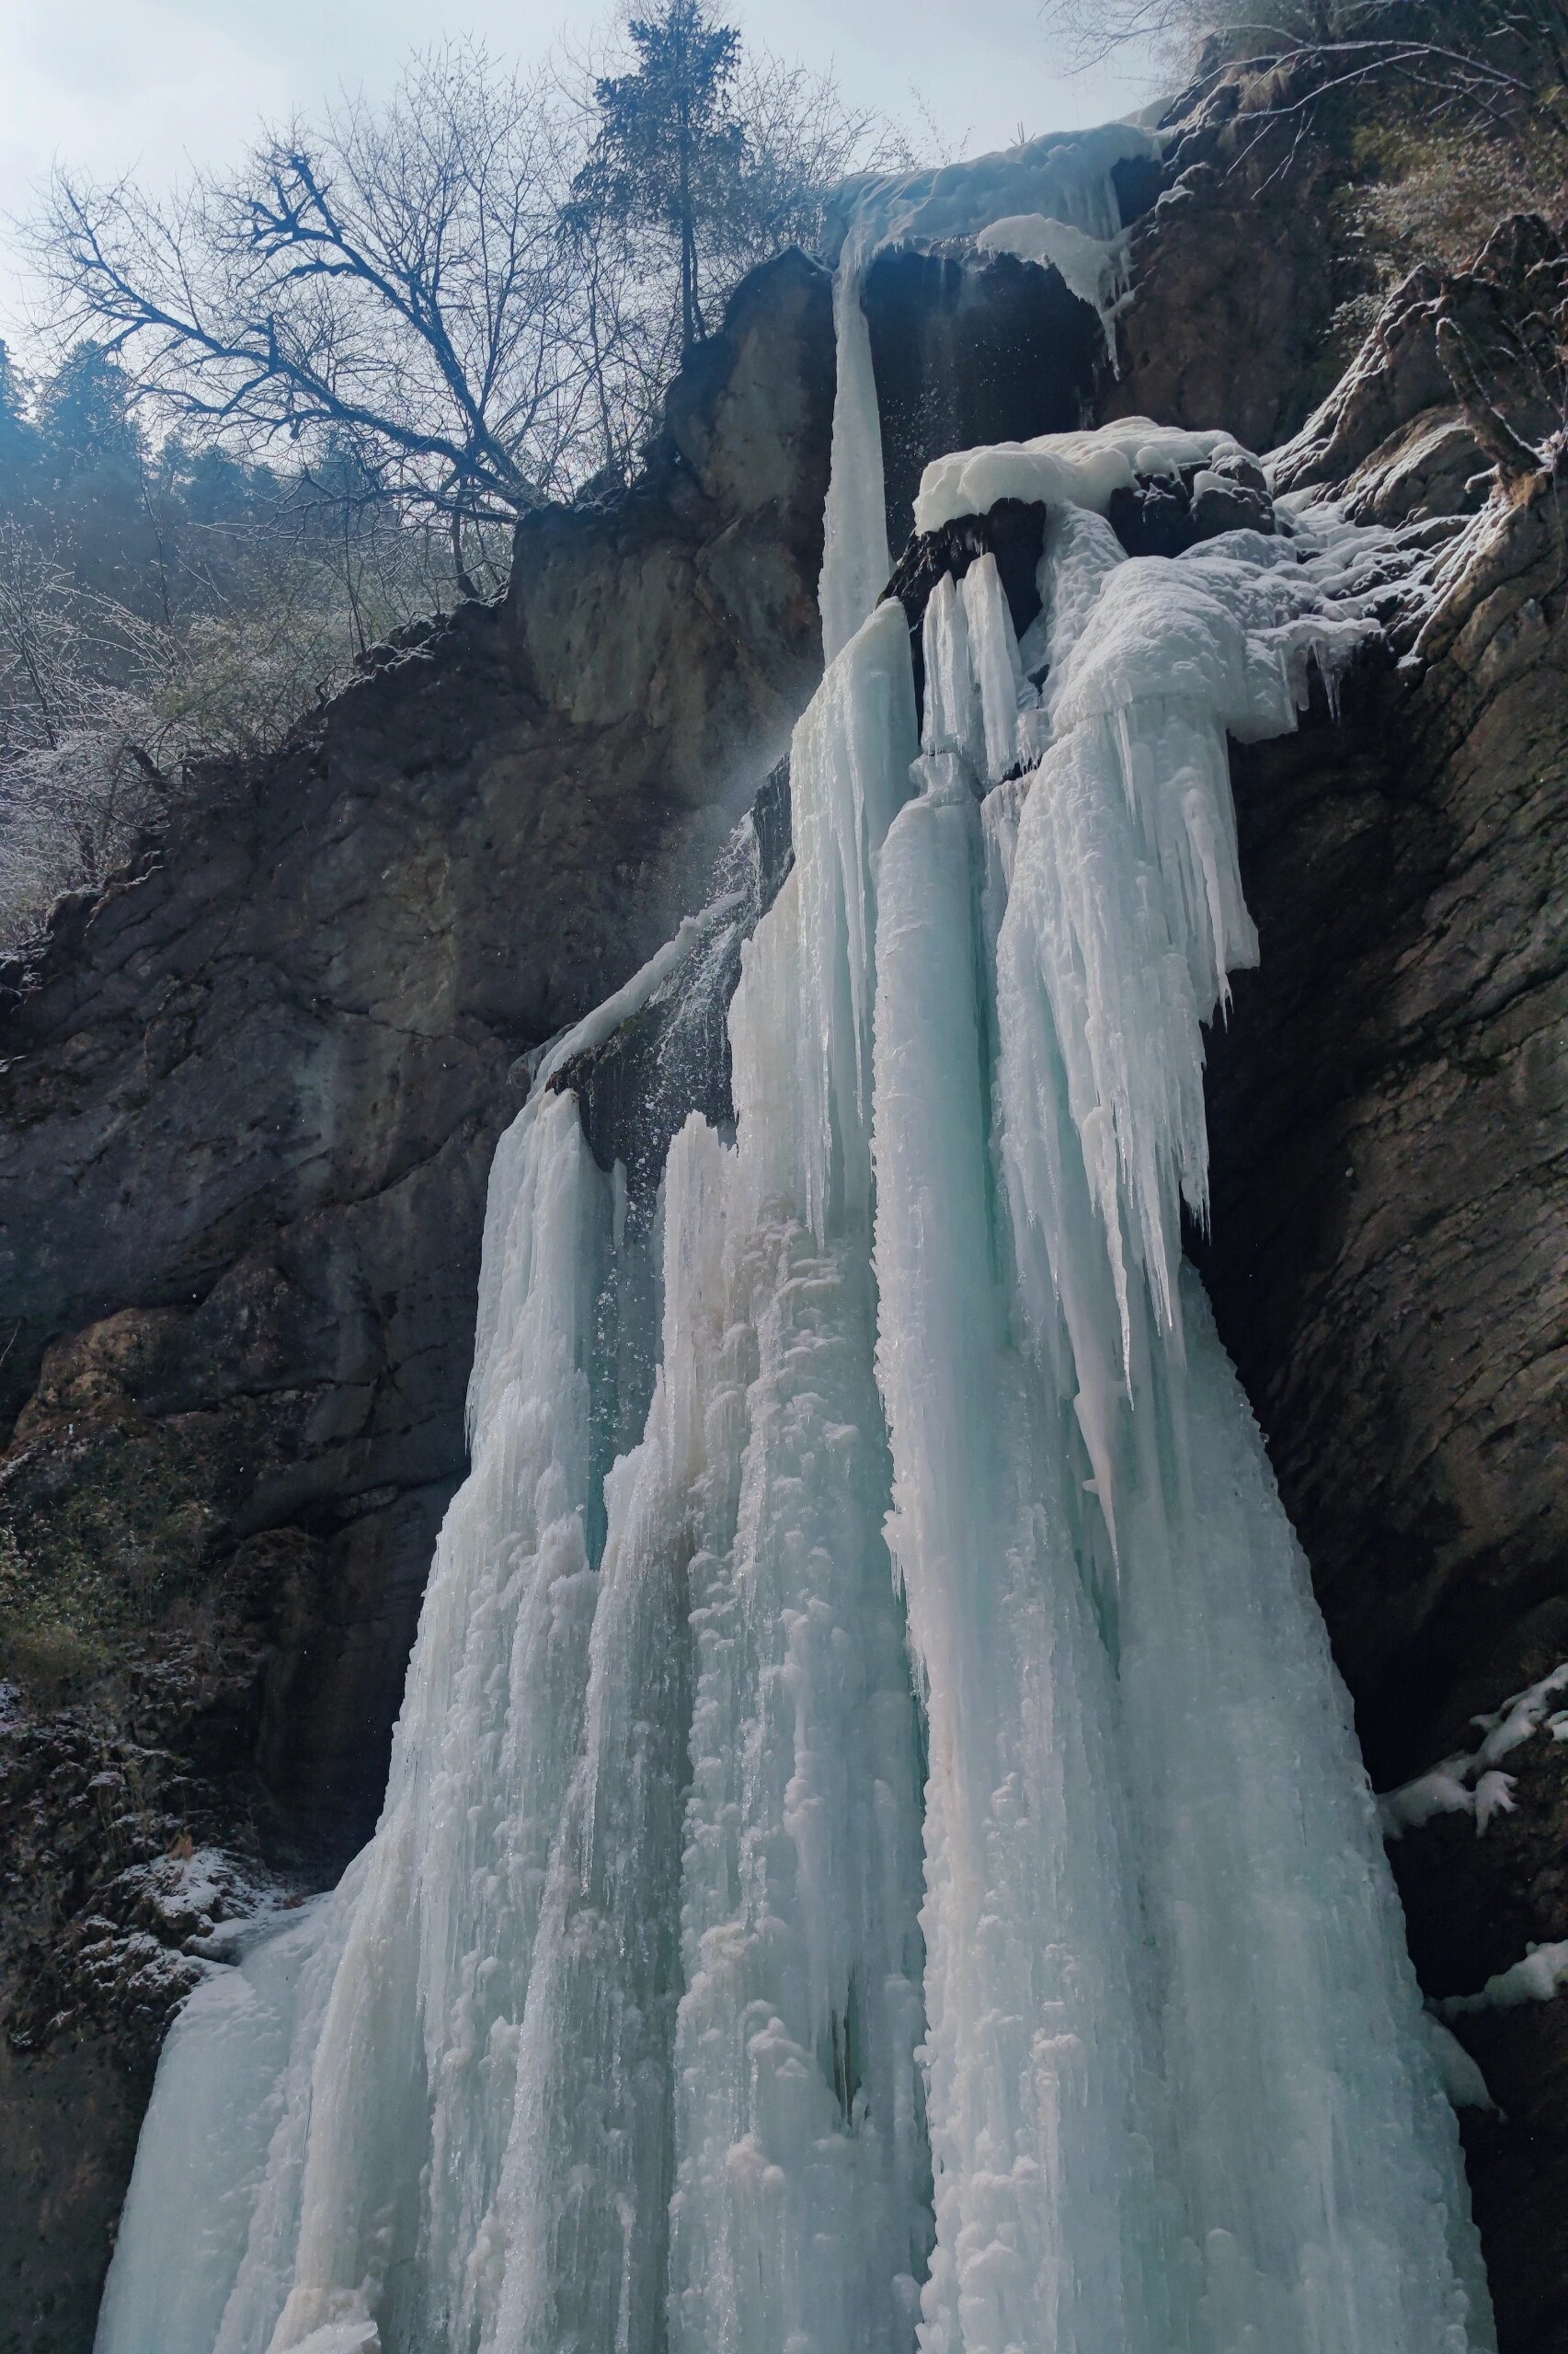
<point x="881" y="1860"/>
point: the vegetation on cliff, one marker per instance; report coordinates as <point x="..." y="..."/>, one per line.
<point x="299" y="405"/>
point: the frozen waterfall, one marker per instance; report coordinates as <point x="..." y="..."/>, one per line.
<point x="874" y="1853"/>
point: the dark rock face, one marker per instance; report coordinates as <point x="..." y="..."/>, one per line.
<point x="1233" y="282"/>
<point x="1389" y="1116"/>
<point x="250" y="1100"/>
<point x="1389" y="1112"/>
<point x="636" y="1088"/>
<point x="986" y="349"/>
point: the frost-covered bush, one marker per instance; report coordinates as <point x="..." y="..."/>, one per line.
<point x="80" y="678"/>
<point x="104" y="704"/>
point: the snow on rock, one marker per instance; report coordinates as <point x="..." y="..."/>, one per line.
<point x="1535" y="1979"/>
<point x="1091" y="267"/>
<point x="1471" y="1781"/>
<point x="1084" y="469"/>
<point x="1462" y="2079"/>
<point x="1064" y="177"/>
<point x="1522" y="1716"/>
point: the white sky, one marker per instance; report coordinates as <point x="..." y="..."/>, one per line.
<point x="148" y="85"/>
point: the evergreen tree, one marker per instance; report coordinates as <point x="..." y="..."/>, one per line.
<point x="669" y="151"/>
<point x="91" y="494"/>
<point x="18" y="442"/>
<point x="85" y="427"/>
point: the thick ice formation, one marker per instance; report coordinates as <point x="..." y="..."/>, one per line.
<point x="1091" y="267"/>
<point x="1052" y="200"/>
<point x="1061" y="469"/>
<point x="1065" y="176"/>
<point x="874" y="1853"/>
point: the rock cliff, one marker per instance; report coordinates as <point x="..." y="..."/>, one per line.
<point x="251" y="1093"/>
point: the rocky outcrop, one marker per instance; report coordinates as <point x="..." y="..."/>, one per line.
<point x="249" y="1099"/>
<point x="1237" y="270"/>
<point x="982" y="347"/>
<point x="1388" y="1109"/>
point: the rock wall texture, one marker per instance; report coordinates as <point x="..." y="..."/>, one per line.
<point x="1389" y="1260"/>
<point x="247" y="1113"/>
<point x="1237" y="269"/>
<point x="248" y="1105"/>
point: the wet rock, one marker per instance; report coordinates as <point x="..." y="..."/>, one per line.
<point x="968" y="348"/>
<point x="1013" y="531"/>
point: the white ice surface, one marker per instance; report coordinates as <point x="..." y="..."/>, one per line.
<point x="1084" y="469"/>
<point x="1065" y="176"/>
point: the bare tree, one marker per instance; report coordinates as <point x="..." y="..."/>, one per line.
<point x="409" y="327"/>
<point x="395" y="277"/>
<point x="78" y="680"/>
<point x="430" y="284"/>
<point x="1503" y="61"/>
<point x="804" y="139"/>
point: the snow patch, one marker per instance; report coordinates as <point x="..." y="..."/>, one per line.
<point x="1535" y="1979"/>
<point x="1082" y="469"/>
<point x="1471" y="1782"/>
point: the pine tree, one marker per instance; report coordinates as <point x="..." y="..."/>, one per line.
<point x="91" y="480"/>
<point x="84" y="421"/>
<point x="669" y="151"/>
<point x="18" y="442"/>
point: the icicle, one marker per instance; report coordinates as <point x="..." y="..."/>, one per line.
<point x="1049" y="2232"/>
<point x="407" y="2059"/>
<point x="855" y="562"/>
<point x="849" y="771"/>
<point x="954" y="722"/>
<point x="993" y="656"/>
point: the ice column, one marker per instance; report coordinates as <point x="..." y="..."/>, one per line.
<point x="1314" y="2161"/>
<point x="855" y="562"/>
<point x="1039" y="2052"/>
<point x="801" y="2216"/>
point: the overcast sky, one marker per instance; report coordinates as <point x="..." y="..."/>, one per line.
<point x="115" y="84"/>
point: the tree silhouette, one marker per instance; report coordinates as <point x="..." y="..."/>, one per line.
<point x="667" y="150"/>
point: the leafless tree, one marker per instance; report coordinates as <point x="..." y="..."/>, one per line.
<point x="1502" y="61"/>
<point x="414" y="282"/>
<point x="403" y="311"/>
<point x="102" y="707"/>
<point x="803" y="140"/>
<point x="395" y="277"/>
<point x="78" y="683"/>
